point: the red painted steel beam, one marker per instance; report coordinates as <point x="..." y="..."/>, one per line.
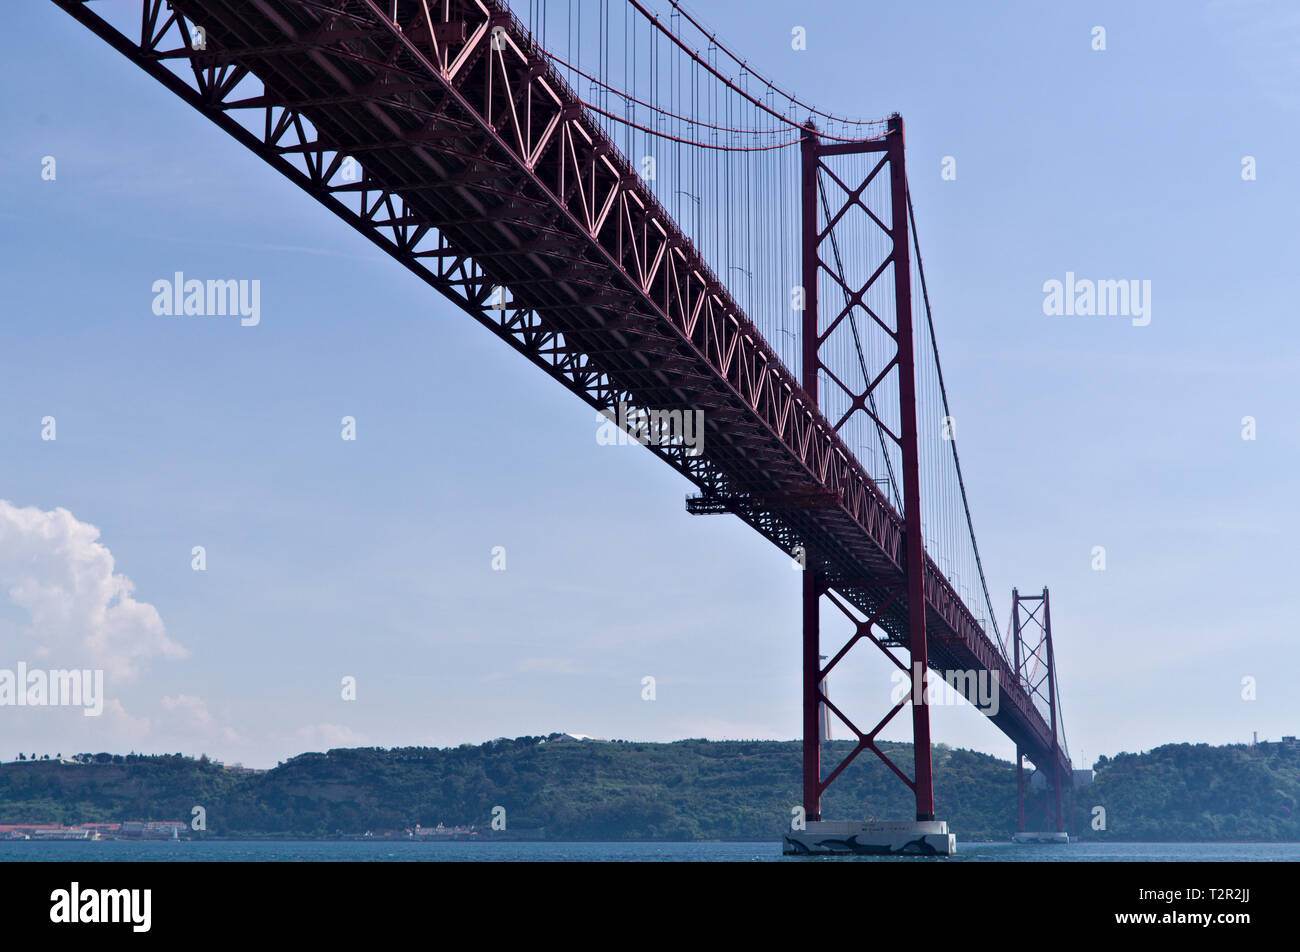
<point x="812" y="696"/>
<point x="467" y="103"/>
<point x="915" y="571"/>
<point x="811" y="592"/>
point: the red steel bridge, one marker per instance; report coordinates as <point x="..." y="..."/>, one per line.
<point x="625" y="202"/>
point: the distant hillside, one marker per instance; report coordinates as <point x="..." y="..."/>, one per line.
<point x="1195" y="792"/>
<point x="692" y="789"/>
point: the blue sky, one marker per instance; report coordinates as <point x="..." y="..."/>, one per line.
<point x="372" y="558"/>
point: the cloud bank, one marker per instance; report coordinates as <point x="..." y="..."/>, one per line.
<point x="82" y="611"/>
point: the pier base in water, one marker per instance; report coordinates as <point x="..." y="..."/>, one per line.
<point x="849" y="838"/>
<point x="1028" y="837"/>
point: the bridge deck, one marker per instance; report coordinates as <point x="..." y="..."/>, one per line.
<point x="480" y="170"/>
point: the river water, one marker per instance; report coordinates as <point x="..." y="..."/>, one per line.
<point x="353" y="851"/>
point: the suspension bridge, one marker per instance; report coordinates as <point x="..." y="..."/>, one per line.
<point x="633" y="208"/>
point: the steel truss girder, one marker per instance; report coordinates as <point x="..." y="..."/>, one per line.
<point x="483" y="97"/>
<point x="653" y="264"/>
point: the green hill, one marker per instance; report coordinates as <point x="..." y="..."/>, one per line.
<point x="1196" y="793"/>
<point x="693" y="789"/>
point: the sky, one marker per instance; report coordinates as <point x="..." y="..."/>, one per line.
<point x="371" y="559"/>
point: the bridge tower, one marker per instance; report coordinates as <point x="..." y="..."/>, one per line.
<point x="1040" y="818"/>
<point x="822" y="264"/>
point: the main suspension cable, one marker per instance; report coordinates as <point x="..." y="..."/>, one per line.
<point x="732" y="86"/>
<point x="747" y="68"/>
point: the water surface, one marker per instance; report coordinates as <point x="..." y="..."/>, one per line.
<point x="352" y="851"/>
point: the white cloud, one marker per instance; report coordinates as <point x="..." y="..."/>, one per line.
<point x="325" y="736"/>
<point x="124" y="727"/>
<point x="189" y="715"/>
<point x="82" y="611"/>
<point x="188" y="711"/>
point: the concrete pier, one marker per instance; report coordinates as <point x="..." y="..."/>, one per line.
<point x="1028" y="837"/>
<point x="849" y="838"/>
